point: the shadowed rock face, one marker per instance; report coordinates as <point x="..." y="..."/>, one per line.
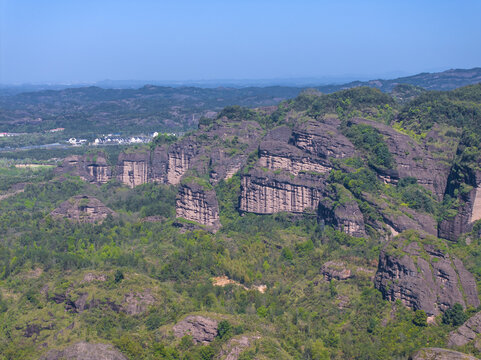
<point x="85" y="351"/>
<point x="202" y="329"/>
<point x="91" y="167"/>
<point x="82" y="208"/>
<point x="198" y="204"/>
<point x="423" y="277"/>
<point x="440" y="354"/>
<point x="469" y="210"/>
<point x="466" y="332"/>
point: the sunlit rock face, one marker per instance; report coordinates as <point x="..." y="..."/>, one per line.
<point x="197" y="204"/>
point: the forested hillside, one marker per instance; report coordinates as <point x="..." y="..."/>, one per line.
<point x="331" y="226"/>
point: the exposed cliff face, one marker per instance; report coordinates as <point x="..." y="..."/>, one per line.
<point x="322" y="139"/>
<point x="415" y="160"/>
<point x="344" y="216"/>
<point x="83" y="209"/>
<point x="423" y="277"/>
<point x="164" y="165"/>
<point x="267" y="193"/>
<point x="134" y="168"/>
<point x="276" y="155"/>
<point x="198" y="204"/>
<point x="470" y="206"/>
<point x="180" y="156"/>
<point x="91" y="167"/>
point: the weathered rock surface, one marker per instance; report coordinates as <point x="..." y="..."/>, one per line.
<point x="198" y="204"/>
<point x="90" y="167"/>
<point x="267" y="193"/>
<point x="440" y="354"/>
<point x="424" y="277"/>
<point x="164" y="164"/>
<point x="470" y="206"/>
<point x="345" y="216"/>
<point x="235" y="346"/>
<point x="82" y="208"/>
<point x="137" y="303"/>
<point x="278" y="155"/>
<point x="322" y="139"/>
<point x="335" y="270"/>
<point x="202" y="329"/>
<point x="466" y="332"/>
<point x="85" y="351"/>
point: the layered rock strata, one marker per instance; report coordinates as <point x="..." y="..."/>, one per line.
<point x="267" y="193"/>
<point x="198" y="204"/>
<point x="322" y="139"/>
<point x="423" y="277"/>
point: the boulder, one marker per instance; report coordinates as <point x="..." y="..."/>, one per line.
<point x="202" y="329"/>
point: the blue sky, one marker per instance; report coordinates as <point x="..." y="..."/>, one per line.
<point x="92" y="40"/>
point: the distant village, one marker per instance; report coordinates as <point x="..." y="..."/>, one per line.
<point x="109" y="139"/>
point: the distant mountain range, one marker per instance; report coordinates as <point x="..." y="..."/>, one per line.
<point x="445" y="80"/>
<point x="94" y="109"/>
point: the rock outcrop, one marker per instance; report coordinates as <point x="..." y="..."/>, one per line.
<point x="469" y="209"/>
<point x="202" y="329"/>
<point x="467" y="332"/>
<point x="335" y="270"/>
<point x="92" y="168"/>
<point x="235" y="346"/>
<point x="85" y="351"/>
<point x="196" y="203"/>
<point x="423" y="276"/>
<point x="82" y="208"/>
<point x="322" y="139"/>
<point x="137" y="303"/>
<point x="440" y="354"/>
<point x="165" y="164"/>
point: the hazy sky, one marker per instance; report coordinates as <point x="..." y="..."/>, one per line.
<point x="91" y="40"/>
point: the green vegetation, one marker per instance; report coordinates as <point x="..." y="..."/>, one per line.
<point x="49" y="266"/>
<point x="369" y="139"/>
